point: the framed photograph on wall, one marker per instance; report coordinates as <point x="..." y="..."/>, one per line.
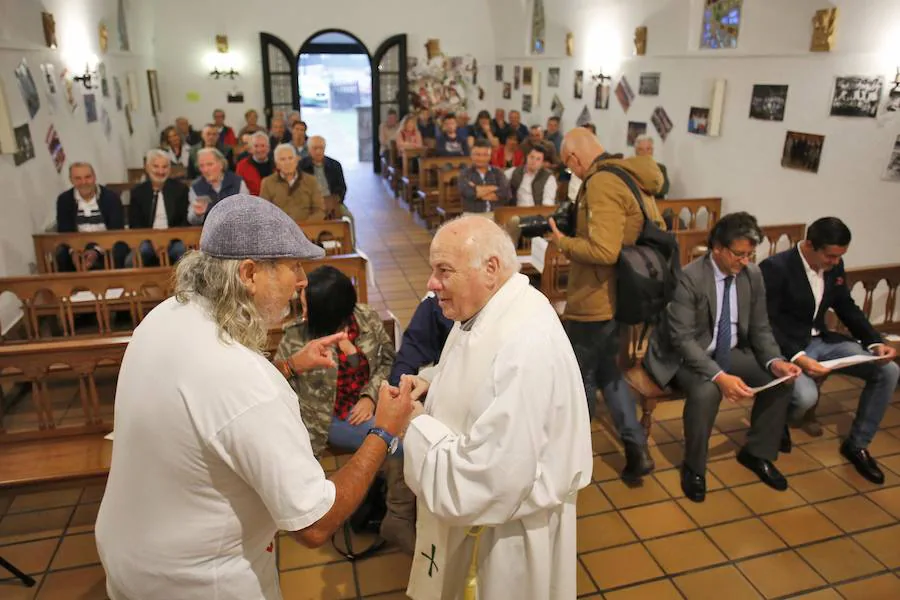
<point x="153" y="84"/>
<point x="802" y="151"/>
<point x="856" y="96"/>
<point x="768" y="101"/>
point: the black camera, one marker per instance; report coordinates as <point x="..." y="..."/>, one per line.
<point x="539" y="225"/>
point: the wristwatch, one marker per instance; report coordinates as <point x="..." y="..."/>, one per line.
<point x="393" y="442"/>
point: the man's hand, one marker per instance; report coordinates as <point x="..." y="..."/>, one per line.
<point x="782" y="368"/>
<point x="419" y="386"/>
<point x="733" y="388"/>
<point x="557" y="234"/>
<point x="362" y="411"/>
<point x="316" y="354"/>
<point x="811" y="367"/>
<point x="90" y="258"/>
<point x="200" y="206"/>
<point x="887" y="354"/>
<point x="392" y="413"/>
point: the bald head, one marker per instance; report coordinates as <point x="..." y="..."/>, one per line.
<point x="579" y="149"/>
<point x="471" y="258"/>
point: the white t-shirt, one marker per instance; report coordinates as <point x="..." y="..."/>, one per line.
<point x="210" y="460"/>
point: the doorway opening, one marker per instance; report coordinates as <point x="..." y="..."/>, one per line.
<point x="334" y="72"/>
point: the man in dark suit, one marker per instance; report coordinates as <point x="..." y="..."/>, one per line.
<point x="87" y="207"/>
<point x="158" y="203"/>
<point x="803" y="284"/>
<point x="715" y="342"/>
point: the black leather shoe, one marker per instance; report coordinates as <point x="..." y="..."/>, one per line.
<point x="863" y="461"/>
<point x="637" y="463"/>
<point x="764" y="469"/>
<point x="693" y="485"/>
<point x="786" y="444"/>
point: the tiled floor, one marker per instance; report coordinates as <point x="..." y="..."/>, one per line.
<point x="831" y="535"/>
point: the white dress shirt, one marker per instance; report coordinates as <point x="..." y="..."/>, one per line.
<point x="160" y="218"/>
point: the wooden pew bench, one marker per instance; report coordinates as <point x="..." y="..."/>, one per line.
<point x="433" y="191"/>
<point x="700" y="213"/>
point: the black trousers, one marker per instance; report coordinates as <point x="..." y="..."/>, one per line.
<point x="767" y="417"/>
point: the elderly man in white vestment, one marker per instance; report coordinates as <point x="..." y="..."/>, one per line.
<point x="504" y="444"/>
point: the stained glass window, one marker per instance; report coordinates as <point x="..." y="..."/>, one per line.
<point x="721" y="24"/>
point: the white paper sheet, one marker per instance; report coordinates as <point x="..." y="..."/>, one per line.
<point x="109" y="436"/>
<point x="85" y="296"/>
<point x="771" y="384"/>
<point x="840" y="363"/>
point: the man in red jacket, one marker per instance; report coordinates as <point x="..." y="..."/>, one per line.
<point x="256" y="167"/>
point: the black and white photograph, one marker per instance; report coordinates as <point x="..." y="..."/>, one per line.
<point x="526" y="103"/>
<point x="635" y="129"/>
<point x="579" y="84"/>
<point x="49" y="72"/>
<point x="698" y="120"/>
<point x="526" y="76"/>
<point x="768" y="101"/>
<point x="624" y="93"/>
<point x="517" y="76"/>
<point x="557" y="108"/>
<point x="856" y="96"/>
<point x="802" y="151"/>
<point x="892" y="171"/>
<point x="649" y="84"/>
<point x="553" y="77"/>
<point x="27" y="88"/>
<point x="153" y="85"/>
<point x="117" y="91"/>
<point x="90" y="108"/>
<point x="128" y="120"/>
<point x="601" y="95"/>
<point x="661" y="122"/>
<point x="104" y="82"/>
<point x="507" y="91"/>
<point x="24" y="144"/>
<point x="498" y="72"/>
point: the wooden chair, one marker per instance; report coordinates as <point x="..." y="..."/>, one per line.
<point x="773" y="234"/>
<point x="694" y="207"/>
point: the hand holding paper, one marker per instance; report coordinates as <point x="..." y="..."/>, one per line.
<point x="847" y="361"/>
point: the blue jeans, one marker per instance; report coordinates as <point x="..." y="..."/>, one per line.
<point x="596" y="346"/>
<point x="880" y="384"/>
<point x="343" y="435"/>
<point x="148" y="254"/>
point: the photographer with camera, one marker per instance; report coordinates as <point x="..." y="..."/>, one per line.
<point x="607" y="217"/>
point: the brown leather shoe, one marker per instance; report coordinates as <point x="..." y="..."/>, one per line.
<point x="638" y="378"/>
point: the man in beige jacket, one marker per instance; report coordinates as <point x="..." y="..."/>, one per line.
<point x="608" y="218"/>
<point x="291" y="190"/>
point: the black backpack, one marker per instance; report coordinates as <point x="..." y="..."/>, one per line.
<point x="647" y="272"/>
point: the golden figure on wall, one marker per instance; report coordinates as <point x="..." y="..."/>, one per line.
<point x="103" y="35"/>
<point x="824" y="26"/>
<point x="570" y="44"/>
<point x="640" y="41"/>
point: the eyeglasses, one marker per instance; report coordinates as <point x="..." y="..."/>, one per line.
<point x="751" y="256"/>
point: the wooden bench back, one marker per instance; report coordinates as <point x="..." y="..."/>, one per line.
<point x="449" y="200"/>
<point x="879" y="285"/>
<point x="555" y="276"/>
<point x="45" y="244"/>
<point x="692" y="243"/>
<point x="408" y="158"/>
<point x="431" y="166"/>
<point x="698" y="213"/>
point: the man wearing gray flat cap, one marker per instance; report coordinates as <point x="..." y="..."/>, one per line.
<point x="211" y="458"/>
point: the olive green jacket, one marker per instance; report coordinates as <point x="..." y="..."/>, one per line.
<point x="316" y="389"/>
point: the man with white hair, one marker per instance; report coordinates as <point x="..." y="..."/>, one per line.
<point x="215" y="183"/>
<point x="329" y="175"/>
<point x="259" y="165"/>
<point x="157" y="203"/>
<point x="504" y="444"/>
<point x="211" y="457"/>
<point x="210" y="139"/>
<point x="292" y="190"/>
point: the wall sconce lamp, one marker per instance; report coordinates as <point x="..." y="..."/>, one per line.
<point x="230" y="73"/>
<point x="223" y="60"/>
<point x="89" y="78"/>
<point x="599" y="76"/>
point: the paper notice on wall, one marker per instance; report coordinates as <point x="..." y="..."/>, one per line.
<point x="192" y="96"/>
<point x="848" y="361"/>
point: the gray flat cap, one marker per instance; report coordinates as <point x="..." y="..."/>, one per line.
<point x="244" y="226"/>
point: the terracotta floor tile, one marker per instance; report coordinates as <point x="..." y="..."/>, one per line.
<point x="721" y="447"/>
<point x="583" y="583"/>
<point x="884" y="445"/>
<point x="891" y="462"/>
<point x="655" y="520"/>
<point x="608" y="466"/>
<point x="849" y="474"/>
<point x="658" y="435"/>
<point x="780" y="574"/>
<point x="731" y="472"/>
<point x="884" y="544"/>
<point x="820" y="485"/>
<point x="31" y="558"/>
<point x="824" y="594"/>
<point x="34" y="525"/>
<point x="882" y="587"/>
<point x="292" y="554"/>
<point x="709" y="584"/>
<point x="855" y="513"/>
<point x="733" y="420"/>
<point x="684" y="552"/>
<point x="84" y="518"/>
<point x="12" y="589"/>
<point x="801" y="525"/>
<point x="840" y="559"/>
<point x="762" y="499"/>
<point x="88" y="583"/>
<point x="801" y="438"/>
<point x="621" y="566"/>
<point x="383" y="573"/>
<point x="670" y="479"/>
<point x="743" y="539"/>
<point x="888" y="499"/>
<point x="604" y="443"/>
<point x="666" y="456"/>
<point x="657" y="590"/>
<point x="591" y="501"/>
<point x="671" y="409"/>
<point x="797" y="461"/>
<point x="76" y="551"/>
<point x="44" y="500"/>
<point x="603" y="531"/>
<point x="623" y="496"/>
<point x="331" y="582"/>
<point x="826" y="452"/>
<point x="720" y="506"/>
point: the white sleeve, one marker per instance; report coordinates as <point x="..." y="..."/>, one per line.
<point x="550" y="192"/>
<point x="268" y="447"/>
<point x="483" y="477"/>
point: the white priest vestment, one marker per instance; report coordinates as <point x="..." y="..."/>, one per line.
<point x="504" y="443"/>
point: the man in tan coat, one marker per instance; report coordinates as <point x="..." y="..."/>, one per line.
<point x="608" y="218"/>
<point x="291" y="190"/>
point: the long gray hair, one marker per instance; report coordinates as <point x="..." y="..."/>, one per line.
<point x="218" y="281"/>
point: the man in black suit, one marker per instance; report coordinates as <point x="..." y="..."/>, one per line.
<point x="803" y="283"/>
<point x="158" y="203"/>
<point x="715" y="342"/>
<point x="87" y="207"/>
<point x="329" y="175"/>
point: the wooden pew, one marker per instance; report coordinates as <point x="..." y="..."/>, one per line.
<point x="449" y="201"/>
<point x="429" y="194"/>
<point x="135" y="176"/>
<point x="45" y="244"/>
<point x="693" y="206"/>
<point x="408" y="179"/>
<point x="502" y="215"/>
<point x="881" y="312"/>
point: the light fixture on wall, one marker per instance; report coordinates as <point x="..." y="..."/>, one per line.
<point x="222" y="61"/>
<point x="89" y="79"/>
<point x="599" y="77"/>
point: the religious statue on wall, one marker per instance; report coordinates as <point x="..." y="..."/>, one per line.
<point x="49" y="29"/>
<point x="538" y="28"/>
<point x="103" y="37"/>
<point x="570" y="44"/>
<point x="824" y="25"/>
<point x="432" y="48"/>
<point x="640" y="41"/>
